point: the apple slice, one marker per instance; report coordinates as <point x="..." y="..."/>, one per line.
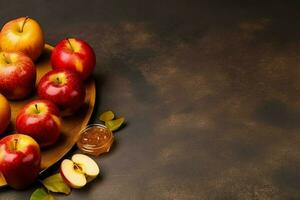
<point x="88" y="165"/>
<point x="72" y="174"/>
<point x="79" y="170"/>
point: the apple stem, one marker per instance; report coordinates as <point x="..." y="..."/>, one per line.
<point x="36" y="107"/>
<point x="24" y="23"/>
<point x="15" y="144"/>
<point x="5" y="58"/>
<point x="70" y="44"/>
<point x="58" y="80"/>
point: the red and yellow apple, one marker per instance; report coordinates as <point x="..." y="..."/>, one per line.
<point x="5" y="113"/>
<point x="17" y="75"/>
<point x="23" y="34"/>
<point x="74" y="54"/>
<point x="40" y="119"/>
<point x="78" y="171"/>
<point x="20" y="160"/>
<point x="64" y="88"/>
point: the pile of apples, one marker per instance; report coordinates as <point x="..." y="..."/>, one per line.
<point x="61" y="92"/>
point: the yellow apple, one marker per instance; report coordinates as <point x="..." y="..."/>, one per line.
<point x="23" y="34"/>
<point x="5" y="113"/>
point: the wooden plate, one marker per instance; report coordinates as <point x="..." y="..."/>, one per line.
<point x="71" y="126"/>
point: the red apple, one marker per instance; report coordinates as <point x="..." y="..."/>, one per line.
<point x="20" y="160"/>
<point x="23" y="34"/>
<point x="17" y="75"/>
<point x="40" y="119"/>
<point x="64" y="88"/>
<point x="74" y="54"/>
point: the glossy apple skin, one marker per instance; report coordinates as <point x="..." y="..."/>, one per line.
<point x="43" y="126"/>
<point x="30" y="41"/>
<point x="20" y="167"/>
<point x="5" y="113"/>
<point x="17" y="75"/>
<point x="80" y="58"/>
<point x="69" y="97"/>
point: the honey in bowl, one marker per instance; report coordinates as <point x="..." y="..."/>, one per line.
<point x="95" y="139"/>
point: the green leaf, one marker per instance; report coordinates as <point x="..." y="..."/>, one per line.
<point x="55" y="183"/>
<point x="41" y="194"/>
<point x="107" y="116"/>
<point x="114" y="124"/>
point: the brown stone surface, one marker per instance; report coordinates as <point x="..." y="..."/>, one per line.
<point x="210" y="90"/>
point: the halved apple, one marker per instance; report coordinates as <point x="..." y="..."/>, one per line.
<point x="78" y="171"/>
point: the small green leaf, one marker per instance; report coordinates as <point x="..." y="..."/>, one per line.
<point x="114" y="124"/>
<point x="55" y="183"/>
<point x="107" y="116"/>
<point x="41" y="194"/>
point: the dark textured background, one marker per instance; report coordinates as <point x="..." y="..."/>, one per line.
<point x="210" y="90"/>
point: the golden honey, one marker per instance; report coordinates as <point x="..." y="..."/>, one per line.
<point x="95" y="140"/>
